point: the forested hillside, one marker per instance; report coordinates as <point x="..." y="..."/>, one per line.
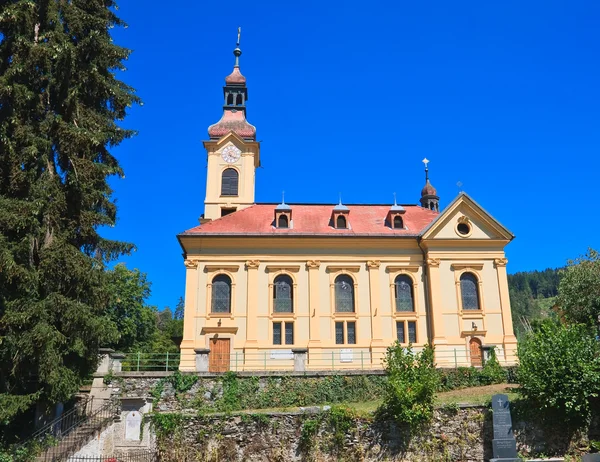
<point x="532" y="295"/>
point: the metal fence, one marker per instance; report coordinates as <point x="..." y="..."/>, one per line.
<point x="139" y="456"/>
<point x="66" y="434"/>
<point x="142" y="361"/>
<point x="322" y="359"/>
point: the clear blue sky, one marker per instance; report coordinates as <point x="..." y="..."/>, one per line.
<point x="503" y="96"/>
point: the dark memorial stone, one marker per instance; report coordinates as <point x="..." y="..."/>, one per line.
<point x="504" y="445"/>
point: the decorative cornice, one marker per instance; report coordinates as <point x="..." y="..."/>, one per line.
<point x="313" y="264"/>
<point x="395" y="269"/>
<point x="433" y="262"/>
<point x="252" y="264"/>
<point x="373" y="264"/>
<point x="500" y="262"/>
<point x="348" y="268"/>
<point x="474" y="266"/>
<point x="191" y="264"/>
<point x="213" y="268"/>
<point x="290" y="268"/>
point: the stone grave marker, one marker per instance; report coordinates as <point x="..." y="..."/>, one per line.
<point x="133" y="424"/>
<point x="504" y="445"/>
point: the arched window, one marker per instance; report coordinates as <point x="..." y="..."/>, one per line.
<point x="283" y="221"/>
<point x="431" y="205"/>
<point x="221" y="294"/>
<point x="229" y="99"/>
<point x="344" y="294"/>
<point x="469" y="292"/>
<point x="283" y="294"/>
<point x="404" y="293"/>
<point x="341" y="222"/>
<point x="398" y="224"/>
<point x="229" y="182"/>
<point x="238" y="100"/>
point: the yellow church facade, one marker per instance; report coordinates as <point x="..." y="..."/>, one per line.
<point x="323" y="286"/>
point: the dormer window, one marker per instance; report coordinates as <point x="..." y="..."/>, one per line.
<point x="394" y="217"/>
<point x="282" y="221"/>
<point x="398" y="222"/>
<point x="339" y="218"/>
<point x="283" y="216"/>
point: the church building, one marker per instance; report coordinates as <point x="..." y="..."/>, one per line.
<point x="318" y="287"/>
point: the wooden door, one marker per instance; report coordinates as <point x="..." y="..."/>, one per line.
<point x="475" y="348"/>
<point x="219" y="355"/>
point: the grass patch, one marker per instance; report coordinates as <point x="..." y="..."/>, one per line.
<point x="476" y="395"/>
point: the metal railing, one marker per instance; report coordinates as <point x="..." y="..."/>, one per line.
<point x="68" y="433"/>
<point x="141" y="361"/>
<point x="278" y="359"/>
<point x="138" y="456"/>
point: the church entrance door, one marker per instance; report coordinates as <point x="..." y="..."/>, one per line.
<point x="475" y="349"/>
<point x="219" y="356"/>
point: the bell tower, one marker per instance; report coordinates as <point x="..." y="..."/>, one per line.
<point x="232" y="151"/>
<point x="429" y="198"/>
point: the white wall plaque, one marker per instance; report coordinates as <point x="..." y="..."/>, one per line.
<point x="346" y="355"/>
<point x="133" y="424"/>
<point x="282" y="354"/>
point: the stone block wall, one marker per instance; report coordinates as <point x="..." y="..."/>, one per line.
<point x="461" y="435"/>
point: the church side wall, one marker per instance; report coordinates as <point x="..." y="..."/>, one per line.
<point x="313" y="270"/>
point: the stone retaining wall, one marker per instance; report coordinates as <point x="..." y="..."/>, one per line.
<point x="454" y="435"/>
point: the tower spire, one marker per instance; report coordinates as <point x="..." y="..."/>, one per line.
<point x="235" y="95"/>
<point x="237" y="52"/>
<point x="429" y="197"/>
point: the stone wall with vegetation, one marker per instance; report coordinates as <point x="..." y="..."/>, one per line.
<point x="338" y="434"/>
<point x="454" y="434"/>
<point x="233" y="392"/>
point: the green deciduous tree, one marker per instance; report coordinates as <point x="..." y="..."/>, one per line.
<point x="579" y="290"/>
<point x="559" y="370"/>
<point x="60" y="107"/>
<point x="411" y="386"/>
<point x="136" y="321"/>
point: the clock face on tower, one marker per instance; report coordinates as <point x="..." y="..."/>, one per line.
<point x="231" y="154"/>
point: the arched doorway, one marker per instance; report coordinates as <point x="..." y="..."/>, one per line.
<point x="475" y="350"/>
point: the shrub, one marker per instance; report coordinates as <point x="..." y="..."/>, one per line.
<point x="559" y="371"/>
<point x="411" y="386"/>
<point x="492" y="372"/>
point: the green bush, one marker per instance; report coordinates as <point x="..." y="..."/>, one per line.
<point x="411" y="386"/>
<point x="559" y="371"/>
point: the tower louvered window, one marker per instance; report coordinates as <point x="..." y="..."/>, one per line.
<point x="469" y="292"/>
<point x="229" y="182"/>
<point x="221" y="294"/>
<point x="283" y="294"/>
<point x="404" y="293"/>
<point x="344" y="294"/>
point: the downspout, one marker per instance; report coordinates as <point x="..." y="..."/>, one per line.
<point x="428" y="307"/>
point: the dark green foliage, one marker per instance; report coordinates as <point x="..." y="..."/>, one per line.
<point x="136" y="322"/>
<point x="532" y="296"/>
<point x="579" y="290"/>
<point x="559" y="371"/>
<point x="245" y="393"/>
<point x="411" y="385"/>
<point x="60" y="109"/>
<point x="463" y="377"/>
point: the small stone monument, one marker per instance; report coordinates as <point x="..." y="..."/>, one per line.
<point x="133" y="424"/>
<point x="504" y="445"/>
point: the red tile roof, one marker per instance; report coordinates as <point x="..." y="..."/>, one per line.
<point x="232" y="120"/>
<point x="235" y="77"/>
<point x="364" y="220"/>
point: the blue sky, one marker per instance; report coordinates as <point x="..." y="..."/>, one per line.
<point x="502" y="96"/>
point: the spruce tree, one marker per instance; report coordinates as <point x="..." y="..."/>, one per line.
<point x="60" y="108"/>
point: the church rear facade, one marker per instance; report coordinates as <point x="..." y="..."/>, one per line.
<point x="320" y="287"/>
